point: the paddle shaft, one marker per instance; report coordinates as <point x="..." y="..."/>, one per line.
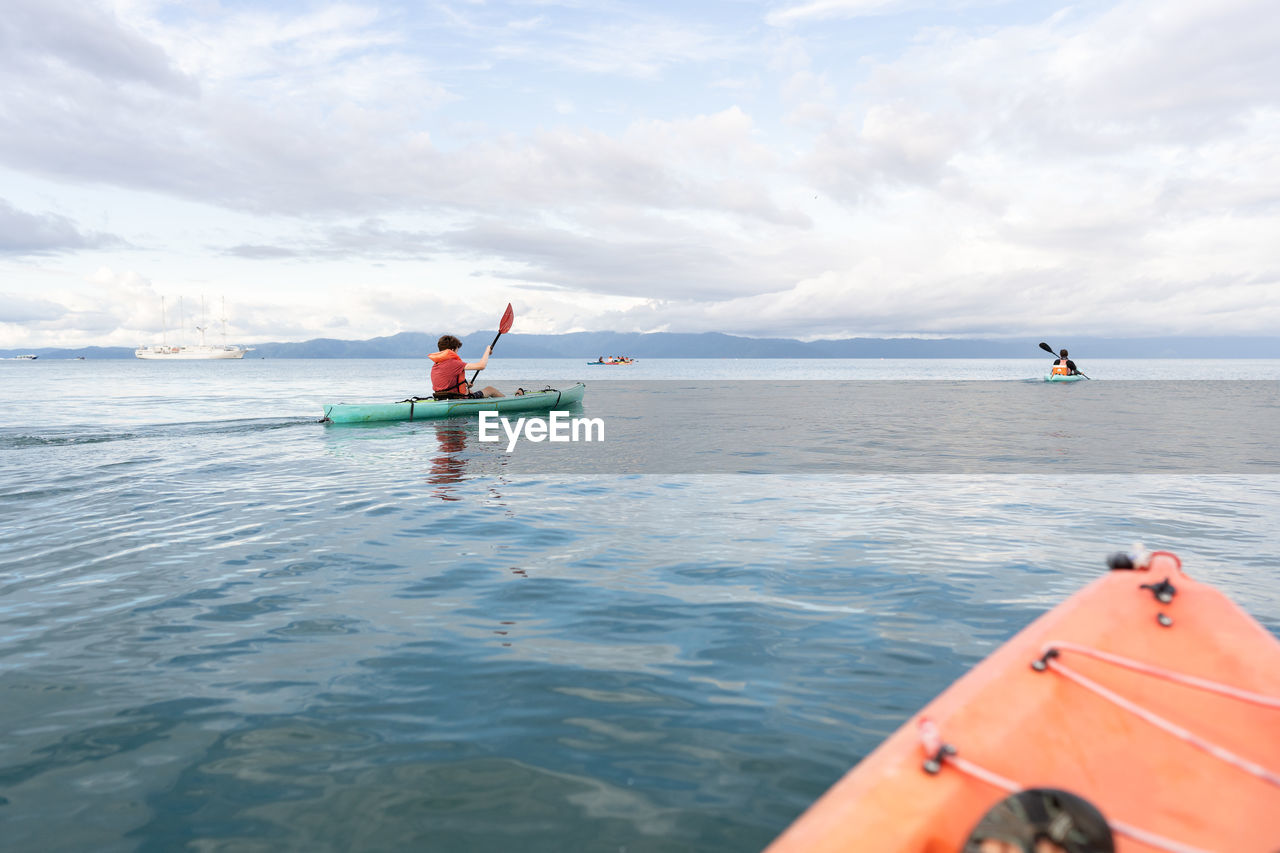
<point x="477" y="373"/>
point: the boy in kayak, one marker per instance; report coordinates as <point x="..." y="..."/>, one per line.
<point x="1064" y="366"/>
<point x="449" y="373"/>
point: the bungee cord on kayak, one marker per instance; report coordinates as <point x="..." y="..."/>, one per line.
<point x="939" y="754"/>
<point x="1166" y="674"/>
<point x="1049" y="662"/>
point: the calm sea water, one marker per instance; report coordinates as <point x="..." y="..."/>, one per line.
<point x="224" y="626"/>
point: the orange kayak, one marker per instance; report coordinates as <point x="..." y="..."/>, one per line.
<point x="1148" y="694"/>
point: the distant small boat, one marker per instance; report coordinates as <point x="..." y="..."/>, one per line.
<point x="25" y="357"/>
<point x="614" y="360"/>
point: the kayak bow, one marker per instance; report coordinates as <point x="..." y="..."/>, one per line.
<point x="1147" y="693"/>
<point x="426" y="408"/>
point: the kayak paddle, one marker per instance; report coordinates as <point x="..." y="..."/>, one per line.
<point x="1052" y="351"/>
<point x="504" y="326"/>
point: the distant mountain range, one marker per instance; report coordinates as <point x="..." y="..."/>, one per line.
<point x="589" y="345"/>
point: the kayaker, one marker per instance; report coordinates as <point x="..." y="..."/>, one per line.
<point x="1064" y="366"/>
<point x="449" y="372"/>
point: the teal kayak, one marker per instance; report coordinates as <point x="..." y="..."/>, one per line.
<point x="426" y="408"/>
<point x="1061" y="377"/>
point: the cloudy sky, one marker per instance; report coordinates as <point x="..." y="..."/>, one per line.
<point x="806" y="168"/>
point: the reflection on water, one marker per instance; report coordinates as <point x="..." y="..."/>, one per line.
<point x="449" y="465"/>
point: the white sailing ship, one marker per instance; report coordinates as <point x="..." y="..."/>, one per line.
<point x="201" y="350"/>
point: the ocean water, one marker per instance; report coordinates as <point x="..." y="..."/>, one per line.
<point x="226" y="626"/>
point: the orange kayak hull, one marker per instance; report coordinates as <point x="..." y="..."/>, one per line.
<point x="1043" y="729"/>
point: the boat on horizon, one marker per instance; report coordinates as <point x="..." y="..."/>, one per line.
<point x="28" y="357"/>
<point x="198" y="351"/>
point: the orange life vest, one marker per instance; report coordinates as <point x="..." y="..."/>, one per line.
<point x="448" y="374"/>
<point x="1061" y="369"/>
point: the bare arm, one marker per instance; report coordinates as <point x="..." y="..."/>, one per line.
<point x="482" y="363"/>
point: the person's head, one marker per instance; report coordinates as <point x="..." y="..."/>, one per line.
<point x="1061" y="353"/>
<point x="450" y="342"/>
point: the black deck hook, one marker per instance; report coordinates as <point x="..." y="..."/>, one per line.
<point x="1163" y="591"/>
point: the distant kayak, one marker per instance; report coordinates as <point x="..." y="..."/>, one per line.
<point x="426" y="408"/>
<point x="1150" y="695"/>
<point x="1062" y="377"/>
<point x="613" y="363"/>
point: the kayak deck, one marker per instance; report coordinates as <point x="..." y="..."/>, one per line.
<point x="1060" y="377"/>
<point x="1047" y="728"/>
<point x="422" y="409"/>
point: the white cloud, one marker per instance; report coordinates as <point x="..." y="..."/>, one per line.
<point x="15" y="308"/>
<point x="23" y="233"/>
<point x="962" y="177"/>
<point x="65" y="39"/>
<point x="629" y="42"/>
<point x="824" y="9"/>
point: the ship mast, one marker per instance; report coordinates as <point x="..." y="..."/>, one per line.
<point x="203" y="324"/>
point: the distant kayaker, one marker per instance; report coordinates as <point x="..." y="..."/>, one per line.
<point x="449" y="373"/>
<point x="1064" y="366"/>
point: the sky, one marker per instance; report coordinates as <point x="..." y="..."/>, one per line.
<point x="794" y="168"/>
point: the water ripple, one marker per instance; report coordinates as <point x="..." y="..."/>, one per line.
<point x="261" y="634"/>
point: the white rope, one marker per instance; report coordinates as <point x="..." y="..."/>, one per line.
<point x="998" y="781"/>
<point x="992" y="779"/>
<point x="1168" y="674"/>
<point x="1153" y="840"/>
<point x="1174" y="729"/>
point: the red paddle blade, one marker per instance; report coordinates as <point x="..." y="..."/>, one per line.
<point x="507" y="319"/>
